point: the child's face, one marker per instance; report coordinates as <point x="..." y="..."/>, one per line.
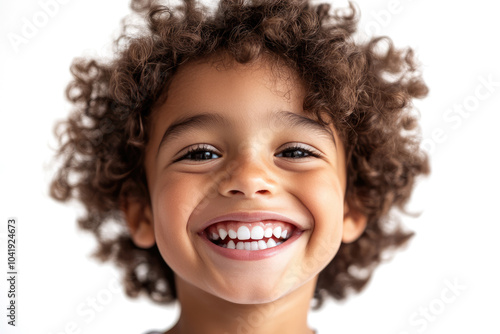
<point x="235" y="141"/>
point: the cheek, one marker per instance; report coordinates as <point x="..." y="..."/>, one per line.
<point x="322" y="194"/>
<point x="176" y="198"/>
<point x="173" y="203"/>
<point x="325" y="202"/>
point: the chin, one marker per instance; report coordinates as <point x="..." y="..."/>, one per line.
<point x="251" y="295"/>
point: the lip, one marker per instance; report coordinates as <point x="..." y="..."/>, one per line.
<point x="250" y="217"/>
<point x="246" y="255"/>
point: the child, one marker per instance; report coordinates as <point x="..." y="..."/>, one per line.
<point x="251" y="156"/>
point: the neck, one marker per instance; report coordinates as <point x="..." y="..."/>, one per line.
<point x="204" y="313"/>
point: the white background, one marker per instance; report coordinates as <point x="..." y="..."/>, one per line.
<point x="457" y="239"/>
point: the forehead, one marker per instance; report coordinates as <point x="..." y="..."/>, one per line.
<point x="220" y="83"/>
<point x="220" y="93"/>
<point x="239" y="100"/>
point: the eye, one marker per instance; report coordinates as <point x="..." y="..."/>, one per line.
<point x="200" y="153"/>
<point x="297" y="152"/>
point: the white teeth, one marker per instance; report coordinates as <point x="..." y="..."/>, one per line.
<point x="254" y="235"/>
<point x="277" y="232"/>
<point x="232" y="234"/>
<point x="244" y="233"/>
<point x="271" y="243"/>
<point x="222" y="233"/>
<point x="252" y="245"/>
<point x="257" y="233"/>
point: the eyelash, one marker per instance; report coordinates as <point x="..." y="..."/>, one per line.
<point x="197" y="149"/>
<point x="207" y="148"/>
<point x="295" y="148"/>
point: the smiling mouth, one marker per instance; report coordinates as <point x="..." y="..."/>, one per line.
<point x="249" y="236"/>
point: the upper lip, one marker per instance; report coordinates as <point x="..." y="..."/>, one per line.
<point x="250" y="217"/>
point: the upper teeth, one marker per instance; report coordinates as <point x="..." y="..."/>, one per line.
<point x="250" y="236"/>
<point x="277" y="232"/>
<point x="244" y="233"/>
<point x="257" y="233"/>
<point x="222" y="233"/>
<point x="232" y="234"/>
<point x="268" y="232"/>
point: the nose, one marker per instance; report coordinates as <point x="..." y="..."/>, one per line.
<point x="248" y="178"/>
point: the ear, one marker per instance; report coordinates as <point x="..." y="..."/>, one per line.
<point x="139" y="218"/>
<point x="354" y="224"/>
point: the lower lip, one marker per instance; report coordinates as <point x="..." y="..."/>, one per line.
<point x="246" y="255"/>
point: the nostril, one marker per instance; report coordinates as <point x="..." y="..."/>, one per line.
<point x="260" y="192"/>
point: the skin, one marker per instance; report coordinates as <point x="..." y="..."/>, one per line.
<point x="254" y="162"/>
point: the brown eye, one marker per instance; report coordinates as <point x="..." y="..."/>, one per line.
<point x="296" y="153"/>
<point x="202" y="153"/>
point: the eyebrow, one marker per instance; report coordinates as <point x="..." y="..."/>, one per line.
<point x="290" y="119"/>
<point x="203" y="120"/>
<point x="285" y="119"/>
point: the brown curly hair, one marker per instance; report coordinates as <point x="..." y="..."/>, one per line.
<point x="366" y="92"/>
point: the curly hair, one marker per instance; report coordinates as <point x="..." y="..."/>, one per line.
<point x="365" y="88"/>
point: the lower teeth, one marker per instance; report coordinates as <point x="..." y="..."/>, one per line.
<point x="252" y="245"/>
